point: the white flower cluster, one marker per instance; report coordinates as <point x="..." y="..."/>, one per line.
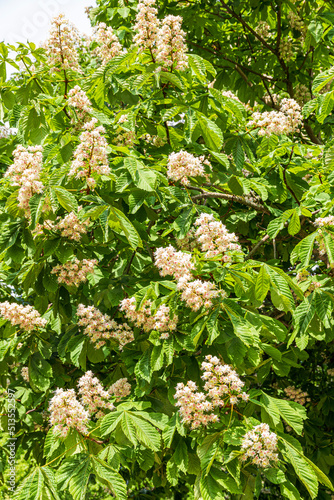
<point x="170" y="45"/>
<point x="100" y="327"/>
<point x="74" y="272"/>
<point x="230" y="94"/>
<point x="147" y="25"/>
<point x="260" y="445"/>
<point x="144" y="318"/>
<point x="120" y="389"/>
<point x="61" y="45"/>
<point x="90" y="157"/>
<point x="302" y="94"/>
<point x="182" y="165"/>
<point x="195" y="293"/>
<point x="165" y="39"/>
<point x="286" y="49"/>
<point x="66" y="412"/>
<point x="295" y="22"/>
<point x="93" y="396"/>
<point x="109" y="45"/>
<point x="25" y="172"/>
<point x="6" y="131"/>
<point x="263" y="29"/>
<point x="285" y="121"/>
<point x="324" y="221"/>
<point x="78" y="100"/>
<point x="214" y="238"/>
<point x="297" y="395"/>
<point x="25" y="316"/>
<point x="223" y="387"/>
<point x="173" y="263"/>
<point x="72" y="227"/>
<point x="25" y="373"/>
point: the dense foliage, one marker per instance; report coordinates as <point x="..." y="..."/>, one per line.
<point x="167" y="254"/>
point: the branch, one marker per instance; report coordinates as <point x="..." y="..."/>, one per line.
<point x="242" y="66"/>
<point x="254" y="249"/>
<point x="311" y="134"/>
<point x="127" y="269"/>
<point x="279" y="28"/>
<point x="284" y="177"/>
<point x="245" y="25"/>
<point x="233" y="197"/>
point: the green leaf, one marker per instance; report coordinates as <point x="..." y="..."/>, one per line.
<point x="114" y="480"/>
<point x="303" y="470"/>
<point x="128" y="228"/>
<point x="322" y="80"/>
<point x="110" y="421"/>
<point x="275" y="476"/>
<point x="66" y="199"/>
<point x="294" y="224"/>
<point x="303" y="316"/>
<point x="74" y="473"/>
<point x="292" y="413"/>
<point x="262" y="284"/>
<point x="181" y="456"/>
<point x="208" y="450"/>
<point x="210" y="489"/>
<point x="211" y="133"/>
<point x="329" y="245"/>
<point x="289" y="491"/>
<point x="36" y="204"/>
<point x="40" y="372"/>
<point x="303" y="251"/>
<point x="242" y="328"/>
<point x="146" y="434"/>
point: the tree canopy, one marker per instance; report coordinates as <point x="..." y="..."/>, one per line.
<point x="167" y="254"/>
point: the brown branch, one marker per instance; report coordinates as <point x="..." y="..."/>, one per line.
<point x="242" y="66"/>
<point x="279" y="28"/>
<point x="127" y="269"/>
<point x="285" y="180"/>
<point x="311" y="134"/>
<point x="232" y="197"/>
<point x="254" y="249"/>
<point x="245" y="25"/>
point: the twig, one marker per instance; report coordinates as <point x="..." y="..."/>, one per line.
<point x="254" y="249"/>
<point x="284" y="177"/>
<point x="232" y="197"/>
<point x="127" y="269"/>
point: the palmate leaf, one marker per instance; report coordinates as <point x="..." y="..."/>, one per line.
<point x="302" y="468"/>
<point x="242" y="328"/>
<point x="303" y="251"/>
<point x="292" y="413"/>
<point x="211" y="133"/>
<point x="294" y="224"/>
<point x="74" y="474"/>
<point x="262" y="284"/>
<point x="38" y="485"/>
<point x="146" y="434"/>
<point x="128" y="228"/>
<point x="66" y="199"/>
<point x="110" y="476"/>
<point x="36" y="204"/>
<point x="207" y="451"/>
<point x="329" y="245"/>
<point x="210" y="488"/>
<point x="280" y="290"/>
<point x="303" y="316"/>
